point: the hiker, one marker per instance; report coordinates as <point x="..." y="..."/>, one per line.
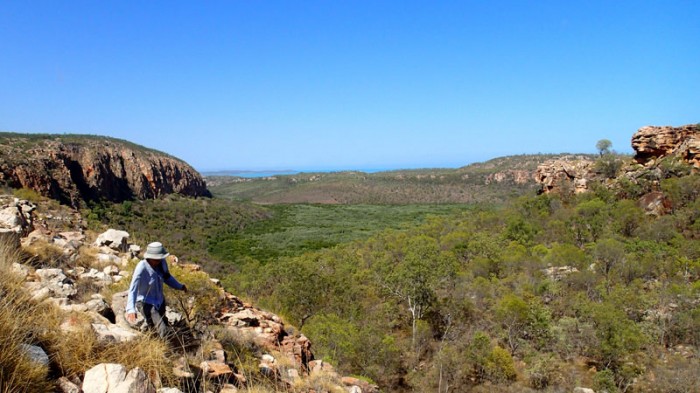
<point x="146" y="289"/>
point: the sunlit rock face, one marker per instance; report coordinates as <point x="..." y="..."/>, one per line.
<point x="653" y="142"/>
<point x="94" y="169"/>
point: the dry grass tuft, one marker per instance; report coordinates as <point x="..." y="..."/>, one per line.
<point x="19" y="324"/>
<point x="42" y="254"/>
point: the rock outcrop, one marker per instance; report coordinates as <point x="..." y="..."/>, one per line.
<point x="654" y="142"/>
<point x="571" y="173"/>
<point x="73" y="168"/>
<point x="650" y="143"/>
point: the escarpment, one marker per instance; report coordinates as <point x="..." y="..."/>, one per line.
<point x="72" y="168"/>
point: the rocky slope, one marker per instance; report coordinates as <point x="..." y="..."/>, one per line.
<point x="83" y="279"/>
<point x="75" y="168"/>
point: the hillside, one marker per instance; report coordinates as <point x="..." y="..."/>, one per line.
<point x="63" y="329"/>
<point x="77" y="168"/>
<point x="492" y="181"/>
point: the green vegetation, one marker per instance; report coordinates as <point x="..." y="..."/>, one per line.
<point x="494" y="181"/>
<point x="474" y="284"/>
<point x="538" y="292"/>
<point x="292" y="230"/>
<point x="186" y="226"/>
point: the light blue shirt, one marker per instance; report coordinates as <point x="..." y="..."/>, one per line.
<point x="147" y="285"/>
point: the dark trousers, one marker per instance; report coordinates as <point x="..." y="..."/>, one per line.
<point x="155" y="318"/>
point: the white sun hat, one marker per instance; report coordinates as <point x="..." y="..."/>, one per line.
<point x="155" y="250"/>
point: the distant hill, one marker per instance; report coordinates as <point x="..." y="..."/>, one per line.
<point x="493" y="180"/>
<point x="75" y="168"/>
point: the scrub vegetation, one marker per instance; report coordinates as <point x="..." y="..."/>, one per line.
<point x="535" y="293"/>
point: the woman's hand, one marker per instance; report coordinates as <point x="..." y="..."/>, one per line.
<point x="131" y="317"/>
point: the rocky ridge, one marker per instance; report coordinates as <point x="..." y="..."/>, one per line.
<point x="71" y="169"/>
<point x="286" y="357"/>
<point x="652" y="145"/>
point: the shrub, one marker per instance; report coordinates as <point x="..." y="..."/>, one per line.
<point x="500" y="366"/>
<point x="28" y="194"/>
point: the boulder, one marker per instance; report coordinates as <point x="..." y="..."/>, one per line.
<point x="583" y="390"/>
<point x="113" y="333"/>
<point x="113" y="378"/>
<point x="16" y="216"/>
<point x="214" y="369"/>
<point x="134" y="250"/>
<point x="119" y="308"/>
<point x="114" y="239"/>
<point x="99" y="306"/>
<point x="655" y="203"/>
<point x="57" y="282"/>
<point x="108" y="259"/>
<point x="36" y="354"/>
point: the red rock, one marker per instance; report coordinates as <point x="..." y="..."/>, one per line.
<point x="95" y="168"/>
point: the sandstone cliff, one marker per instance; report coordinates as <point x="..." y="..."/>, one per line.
<point x="73" y="168"/>
<point x="652" y="142"/>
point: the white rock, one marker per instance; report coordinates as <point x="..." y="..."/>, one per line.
<point x="41" y="294"/>
<point x="112" y="378"/>
<point x="268" y="358"/>
<point x="112" y="333"/>
<point x="583" y="390"/>
<point x="169" y="390"/>
<point x="135" y="381"/>
<point x="103" y="259"/>
<point x="111" y="270"/>
<point x="100" y="378"/>
<point x="114" y="239"/>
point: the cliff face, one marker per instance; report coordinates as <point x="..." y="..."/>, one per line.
<point x="652" y="142"/>
<point x="76" y="168"/>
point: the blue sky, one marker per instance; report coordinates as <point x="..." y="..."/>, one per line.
<point x="350" y="84"/>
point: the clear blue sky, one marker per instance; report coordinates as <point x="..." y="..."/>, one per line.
<point x="350" y="84"/>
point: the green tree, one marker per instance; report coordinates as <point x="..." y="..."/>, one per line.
<point x="413" y="275"/>
<point x="590" y="220"/>
<point x="603" y="146"/>
<point x="512" y="312"/>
